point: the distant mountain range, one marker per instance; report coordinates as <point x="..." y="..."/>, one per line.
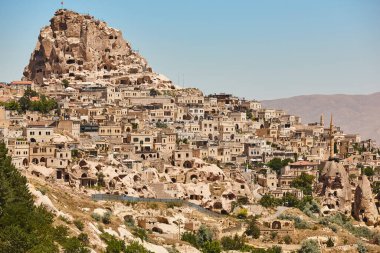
<point x="353" y="113"/>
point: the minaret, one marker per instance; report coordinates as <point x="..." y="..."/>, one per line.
<point x="331" y="138"/>
<point x="322" y="121"/>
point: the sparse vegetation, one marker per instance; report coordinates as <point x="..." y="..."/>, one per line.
<point x="129" y="220"/>
<point x="330" y="243"/>
<point x="79" y="224"/>
<point x="242" y="213"/>
<point x="287" y="239"/>
<point x="96" y="216"/>
<point x="106" y="219"/>
<point x="309" y="246"/>
<point x="31" y="101"/>
<point x="23" y="226"/>
<point x="298" y="222"/>
<point x="174" y="204"/>
<point x="253" y="229"/>
<point x="161" y="125"/>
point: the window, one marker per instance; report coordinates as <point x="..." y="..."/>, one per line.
<point x="135" y="139"/>
<point x="147" y="139"/>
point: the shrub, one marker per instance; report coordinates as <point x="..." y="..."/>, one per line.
<point x="153" y="206"/>
<point x="242" y="214"/>
<point x="161" y="125"/>
<point x="190" y="238"/>
<point x="273" y="235"/>
<point x="64" y="219"/>
<point x="174" y="204"/>
<point x="361" y="248"/>
<point x="242" y="200"/>
<point x="140" y="233"/>
<point x="376" y="239"/>
<point x="106" y="219"/>
<point x="330" y="243"/>
<point x="129" y="221"/>
<point x="79" y="224"/>
<point x="83" y="237"/>
<point x="232" y="243"/>
<point x="96" y="216"/>
<point x="74" y="245"/>
<point x="298" y="222"/>
<point x="211" y="247"/>
<point x="287" y="239"/>
<point x="200" y="238"/>
<point x="114" y="245"/>
<point x="309" y="246"/>
<point x="135" y="247"/>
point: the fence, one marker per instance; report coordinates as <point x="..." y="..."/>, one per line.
<point x="110" y="197"/>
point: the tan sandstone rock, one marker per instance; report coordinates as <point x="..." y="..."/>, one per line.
<point x="364" y="208"/>
<point x="80" y="48"/>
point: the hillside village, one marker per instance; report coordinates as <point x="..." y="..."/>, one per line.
<point x="91" y="123"/>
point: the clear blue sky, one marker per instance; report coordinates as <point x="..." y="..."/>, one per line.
<point x="254" y="49"/>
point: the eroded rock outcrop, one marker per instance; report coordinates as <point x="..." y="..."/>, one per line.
<point x="336" y="189"/>
<point x="80" y="48"/>
<point x="364" y="208"/>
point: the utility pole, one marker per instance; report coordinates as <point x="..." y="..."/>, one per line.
<point x="179" y="222"/>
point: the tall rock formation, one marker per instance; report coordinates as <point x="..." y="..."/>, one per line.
<point x="82" y="49"/>
<point x="364" y="208"/>
<point x="336" y="189"/>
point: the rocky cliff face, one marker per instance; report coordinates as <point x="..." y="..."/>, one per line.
<point x="336" y="191"/>
<point x="80" y="48"/>
<point x="364" y="208"/>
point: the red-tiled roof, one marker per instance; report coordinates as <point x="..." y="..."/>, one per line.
<point x="303" y="163"/>
<point x="21" y="83"/>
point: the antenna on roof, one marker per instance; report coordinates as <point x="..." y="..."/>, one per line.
<point x="62" y="4"/>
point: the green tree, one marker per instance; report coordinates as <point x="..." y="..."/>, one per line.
<point x="269" y="201"/>
<point x="303" y="182"/>
<point x="204" y="235"/>
<point x="233" y="243"/>
<point x="253" y="229"/>
<point x="276" y="164"/>
<point x="65" y="83"/>
<point x="290" y="200"/>
<point x="368" y="171"/>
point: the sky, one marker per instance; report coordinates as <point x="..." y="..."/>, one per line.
<point x="253" y="49"/>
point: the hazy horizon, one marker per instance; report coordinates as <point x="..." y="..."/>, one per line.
<point x="262" y="50"/>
